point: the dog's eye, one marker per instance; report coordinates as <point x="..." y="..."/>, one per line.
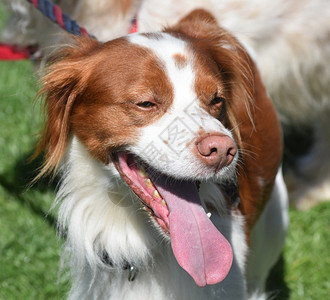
<point x="146" y="104"/>
<point x="217" y="100"/>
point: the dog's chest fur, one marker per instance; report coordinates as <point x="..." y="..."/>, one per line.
<point x="130" y="238"/>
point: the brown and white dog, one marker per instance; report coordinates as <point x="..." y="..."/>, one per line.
<point x="289" y="40"/>
<point x="170" y="154"/>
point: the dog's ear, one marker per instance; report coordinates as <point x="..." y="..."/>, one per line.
<point x="66" y="78"/>
<point x="198" y="24"/>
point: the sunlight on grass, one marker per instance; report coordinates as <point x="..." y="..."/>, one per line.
<point x="307" y="253"/>
<point x="29" y="248"/>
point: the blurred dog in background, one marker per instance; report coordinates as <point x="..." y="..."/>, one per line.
<point x="288" y="39"/>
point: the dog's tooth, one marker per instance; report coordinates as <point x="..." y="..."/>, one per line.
<point x="148" y="183"/>
<point x="163" y="202"/>
<point x="142" y="173"/>
<point x="156" y="194"/>
<point x="209" y="215"/>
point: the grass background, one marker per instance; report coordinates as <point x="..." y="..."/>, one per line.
<point x="29" y="247"/>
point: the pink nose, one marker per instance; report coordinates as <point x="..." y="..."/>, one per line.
<point x="216" y="150"/>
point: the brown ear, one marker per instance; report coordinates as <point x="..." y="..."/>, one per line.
<point x="65" y="80"/>
<point x="251" y="114"/>
<point x="197" y="24"/>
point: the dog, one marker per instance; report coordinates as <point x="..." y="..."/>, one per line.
<point x="169" y="152"/>
<point x="288" y="39"/>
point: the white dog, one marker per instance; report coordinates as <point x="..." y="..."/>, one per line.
<point x="170" y="153"/>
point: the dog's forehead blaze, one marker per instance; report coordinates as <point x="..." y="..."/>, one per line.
<point x="106" y="115"/>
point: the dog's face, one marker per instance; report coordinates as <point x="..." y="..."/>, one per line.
<point x="163" y="109"/>
<point x="182" y="101"/>
<point x="157" y="97"/>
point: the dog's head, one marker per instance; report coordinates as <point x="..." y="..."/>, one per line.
<point x="166" y="109"/>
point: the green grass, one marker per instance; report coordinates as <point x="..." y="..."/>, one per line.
<point x="29" y="248"/>
<point x="304" y="268"/>
<point x="307" y="254"/>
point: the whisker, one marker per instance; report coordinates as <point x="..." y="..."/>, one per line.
<point x="248" y="153"/>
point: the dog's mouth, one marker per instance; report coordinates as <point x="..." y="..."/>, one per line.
<point x="198" y="246"/>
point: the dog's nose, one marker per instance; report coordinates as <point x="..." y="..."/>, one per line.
<point x="216" y="150"/>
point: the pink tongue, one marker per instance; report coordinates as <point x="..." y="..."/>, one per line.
<point x="198" y="246"/>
